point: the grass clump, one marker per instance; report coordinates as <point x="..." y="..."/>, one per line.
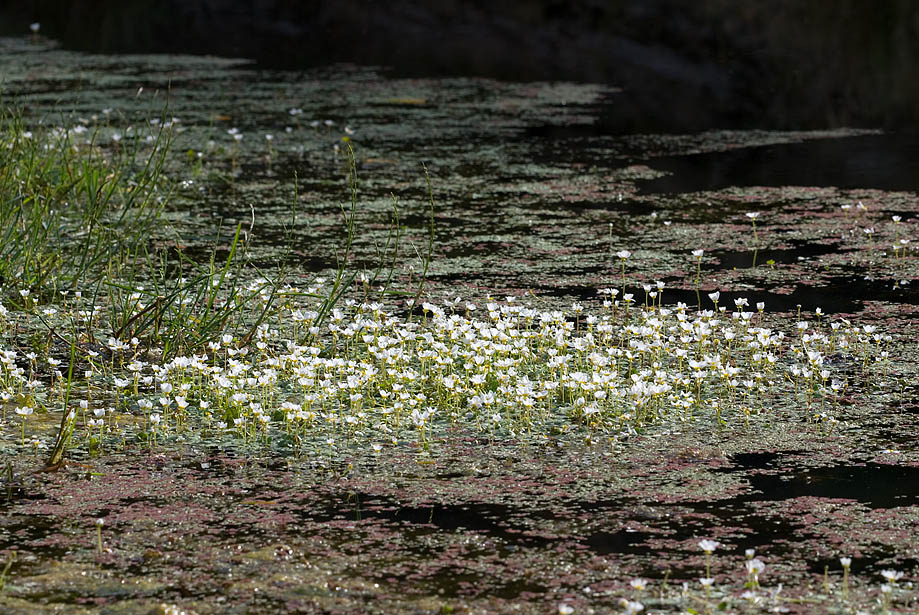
<point x="73" y="208"/>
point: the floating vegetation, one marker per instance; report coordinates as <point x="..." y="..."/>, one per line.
<point x="226" y="391"/>
<point x="368" y="378"/>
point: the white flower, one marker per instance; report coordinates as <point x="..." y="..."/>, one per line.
<point x="755" y="566"/>
<point x="698" y="253"/>
<point x="565" y="609"/>
<point x="892" y="576"/>
<point x="633" y="606"/>
<point x="753" y="215"/>
<point x="845" y="561"/>
<point x="623" y="254"/>
<point x="638" y="583"/>
<point x="708" y="545"/>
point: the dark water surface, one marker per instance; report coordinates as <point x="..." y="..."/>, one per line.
<point x="883" y="162"/>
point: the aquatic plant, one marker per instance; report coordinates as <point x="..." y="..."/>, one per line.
<point x="4" y="575"/>
<point x="288" y="380"/>
<point x="71" y="208"/>
<point x="99" y="523"/>
<point x="176" y="346"/>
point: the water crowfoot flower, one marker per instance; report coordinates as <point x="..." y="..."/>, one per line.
<point x="754" y="568"/>
<point x="714" y="297"/>
<point x="638" y="583"/>
<point x="623" y="256"/>
<point x="24" y="411"/>
<point x="846" y="563"/>
<point x="632" y="607"/>
<point x="698" y="254"/>
<point x="99" y="523"/>
<point x="154" y="423"/>
<point x="708" y="546"/>
<point x="892" y="576"/>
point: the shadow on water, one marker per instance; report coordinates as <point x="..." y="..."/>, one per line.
<point x="829" y="299"/>
<point x="884" y="162"/>
<point x="877" y="485"/>
<point x="837" y="295"/>
<point x="873" y="484"/>
<point x="718" y="260"/>
<point x="493" y="520"/>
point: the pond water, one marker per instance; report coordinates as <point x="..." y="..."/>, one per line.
<point x="531" y="200"/>
<point x="879" y="161"/>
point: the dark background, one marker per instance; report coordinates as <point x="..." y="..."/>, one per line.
<point x="684" y="64"/>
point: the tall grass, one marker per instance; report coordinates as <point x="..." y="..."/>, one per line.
<point x="84" y="217"/>
<point x="69" y="207"/>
